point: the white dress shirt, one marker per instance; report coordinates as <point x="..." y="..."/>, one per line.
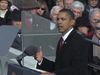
<point x="67" y="34"/>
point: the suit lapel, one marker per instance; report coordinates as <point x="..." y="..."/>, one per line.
<point x="69" y="38"/>
<point x="66" y="42"/>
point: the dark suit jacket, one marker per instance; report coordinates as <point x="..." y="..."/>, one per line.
<point x="46" y="65"/>
<point x="72" y="58"/>
<point x="7" y="20"/>
<point x="17" y="44"/>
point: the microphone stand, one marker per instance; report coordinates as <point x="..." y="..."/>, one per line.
<point x="19" y="61"/>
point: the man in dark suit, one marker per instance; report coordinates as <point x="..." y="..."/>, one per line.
<point x="72" y="54"/>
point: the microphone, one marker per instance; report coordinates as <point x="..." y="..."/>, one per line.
<point x="29" y="51"/>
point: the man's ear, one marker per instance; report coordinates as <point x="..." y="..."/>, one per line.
<point x="72" y="23"/>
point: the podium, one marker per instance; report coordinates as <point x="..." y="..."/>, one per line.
<point x="7" y="35"/>
<point x="14" y="69"/>
<point x="41" y="33"/>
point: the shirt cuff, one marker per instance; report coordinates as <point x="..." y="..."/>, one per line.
<point x="39" y="63"/>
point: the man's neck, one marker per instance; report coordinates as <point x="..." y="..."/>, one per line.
<point x="67" y="34"/>
<point x="66" y="31"/>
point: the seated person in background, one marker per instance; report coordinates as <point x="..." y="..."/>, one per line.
<point x="96" y="48"/>
<point x="92" y="4"/>
<point x="16" y="21"/>
<point x="43" y="9"/>
<point x="78" y="8"/>
<point x="94" y="17"/>
<point x="67" y="3"/>
<point x="53" y="15"/>
<point x="82" y="21"/>
<point x="54" y="12"/>
<point x="72" y="51"/>
<point x="59" y="3"/>
<point x="5" y="13"/>
<point x="96" y="38"/>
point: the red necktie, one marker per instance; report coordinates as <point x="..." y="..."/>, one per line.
<point x="61" y="42"/>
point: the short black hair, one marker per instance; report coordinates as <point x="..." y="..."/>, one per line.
<point x="69" y="12"/>
<point x="16" y="15"/>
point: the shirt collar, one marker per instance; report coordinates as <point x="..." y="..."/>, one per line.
<point x="2" y="13"/>
<point x="67" y="34"/>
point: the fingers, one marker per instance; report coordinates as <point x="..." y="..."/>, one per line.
<point x="39" y="56"/>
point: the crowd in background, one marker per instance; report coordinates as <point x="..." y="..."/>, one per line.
<point x="49" y="9"/>
<point x="87" y="15"/>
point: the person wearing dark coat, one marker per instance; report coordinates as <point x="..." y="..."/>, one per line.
<point x="72" y="52"/>
<point x="5" y="13"/>
<point x="16" y="21"/>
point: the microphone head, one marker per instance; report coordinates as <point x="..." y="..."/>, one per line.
<point x="31" y="50"/>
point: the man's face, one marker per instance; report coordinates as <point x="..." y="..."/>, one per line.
<point x="77" y="12"/>
<point x="93" y="3"/>
<point x="94" y="18"/>
<point x="64" y="22"/>
<point x="67" y="3"/>
<point x="3" y="5"/>
<point x="60" y="3"/>
<point x="97" y="30"/>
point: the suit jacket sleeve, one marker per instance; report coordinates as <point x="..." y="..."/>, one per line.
<point x="46" y="65"/>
